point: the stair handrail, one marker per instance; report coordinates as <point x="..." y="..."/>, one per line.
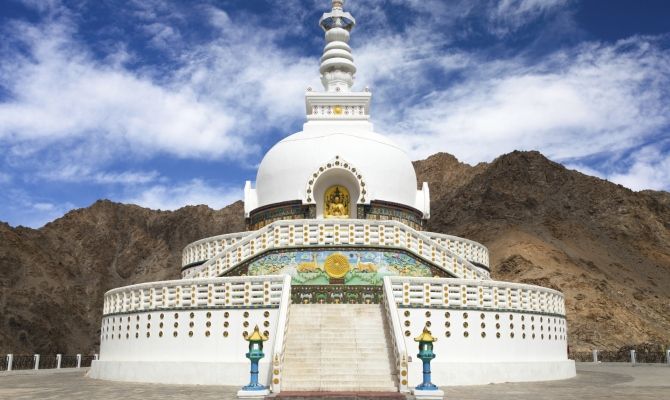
<point x="188" y="258"/>
<point x="206" y="268"/>
<point x="399" y="347"/>
<point x="277" y="362"/>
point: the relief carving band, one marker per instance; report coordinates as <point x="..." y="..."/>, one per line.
<point x="336" y="202"/>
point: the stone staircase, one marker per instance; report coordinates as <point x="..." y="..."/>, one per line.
<point x="338" y="347"/>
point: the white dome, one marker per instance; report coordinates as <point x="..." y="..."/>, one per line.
<point x="385" y="170"/>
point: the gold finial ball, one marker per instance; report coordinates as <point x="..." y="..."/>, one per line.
<point x="338" y="3"/>
<point x="337" y="110"/>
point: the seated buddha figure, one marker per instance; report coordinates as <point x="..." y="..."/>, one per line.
<point x="336" y="203"/>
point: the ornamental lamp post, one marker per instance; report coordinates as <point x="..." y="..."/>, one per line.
<point x="254" y="389"/>
<point x="426" y="390"/>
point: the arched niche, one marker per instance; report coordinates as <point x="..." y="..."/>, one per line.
<point x="336" y="177"/>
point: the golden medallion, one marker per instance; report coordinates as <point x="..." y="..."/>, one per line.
<point x="337" y="110"/>
<point x="336" y="265"/>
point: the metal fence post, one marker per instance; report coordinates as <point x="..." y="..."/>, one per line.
<point x="595" y="356"/>
<point x="78" y="360"/>
<point x="37" y="361"/>
<point x="667" y="357"/>
<point x="59" y="357"/>
<point x="10" y="361"/>
<point x="632" y="357"/>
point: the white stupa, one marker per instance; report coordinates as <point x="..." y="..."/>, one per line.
<point x="337" y="272"/>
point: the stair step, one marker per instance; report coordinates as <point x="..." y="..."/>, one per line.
<point x="348" y="349"/>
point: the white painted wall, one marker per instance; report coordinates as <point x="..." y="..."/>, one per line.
<point x="123" y="356"/>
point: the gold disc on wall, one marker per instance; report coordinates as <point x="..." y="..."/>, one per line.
<point x="336" y="265"/>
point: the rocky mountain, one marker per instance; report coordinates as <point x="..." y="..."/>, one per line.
<point x="606" y="247"/>
<point x="53" y="278"/>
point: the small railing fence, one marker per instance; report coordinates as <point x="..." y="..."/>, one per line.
<point x="624" y="355"/>
<point x="48" y="361"/>
<point x="17" y="362"/>
<point x="23" y="362"/>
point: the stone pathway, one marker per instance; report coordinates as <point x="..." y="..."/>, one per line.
<point x="602" y="381"/>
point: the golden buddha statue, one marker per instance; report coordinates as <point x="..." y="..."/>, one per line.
<point x="336" y="202"/>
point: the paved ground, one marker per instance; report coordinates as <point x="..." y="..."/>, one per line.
<point x="602" y="381"/>
<point x="612" y="381"/>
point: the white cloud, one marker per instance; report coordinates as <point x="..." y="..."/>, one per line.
<point x="5" y="178"/>
<point x="510" y="15"/>
<point x="195" y="192"/>
<point x="213" y="104"/>
<point x="649" y="169"/>
<point x="574" y="103"/>
<point x="44" y="206"/>
<point x="79" y="173"/>
<point x="63" y="94"/>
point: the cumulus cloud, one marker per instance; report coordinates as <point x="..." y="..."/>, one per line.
<point x="60" y="93"/>
<point x="572" y="104"/>
<point x="194" y="192"/>
<point x="650" y="169"/>
<point x="217" y="98"/>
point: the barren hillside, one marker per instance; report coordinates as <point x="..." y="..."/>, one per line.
<point x="606" y="247"/>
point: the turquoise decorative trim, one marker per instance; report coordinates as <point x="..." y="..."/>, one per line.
<point x="283" y="211"/>
<point x="243" y="269"/>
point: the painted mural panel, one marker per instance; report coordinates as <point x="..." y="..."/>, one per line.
<point x="344" y="266"/>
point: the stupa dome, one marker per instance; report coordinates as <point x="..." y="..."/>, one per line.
<point x="376" y="168"/>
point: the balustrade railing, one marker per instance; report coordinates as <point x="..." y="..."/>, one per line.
<point x="466" y="293"/>
<point x="398" y="343"/>
<point x="302" y="233"/>
<point x="196" y="293"/>
<point x="280" y="339"/>
<point x="204" y="249"/>
<point x="468" y="249"/>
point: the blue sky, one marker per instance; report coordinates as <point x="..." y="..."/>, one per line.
<point x="169" y="103"/>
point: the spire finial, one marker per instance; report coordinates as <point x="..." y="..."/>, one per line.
<point x="337" y="64"/>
